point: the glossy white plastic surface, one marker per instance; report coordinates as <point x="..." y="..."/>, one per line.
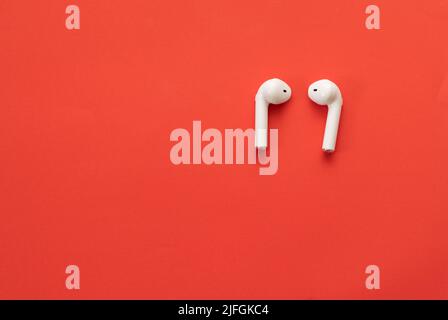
<point x="326" y="92"/>
<point x="273" y="91"/>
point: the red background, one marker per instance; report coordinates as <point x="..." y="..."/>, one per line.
<point x="86" y="179"/>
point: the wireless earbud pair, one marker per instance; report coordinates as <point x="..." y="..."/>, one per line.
<point x="276" y="91"/>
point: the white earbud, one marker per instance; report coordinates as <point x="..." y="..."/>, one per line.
<point x="325" y="92"/>
<point x="273" y="91"/>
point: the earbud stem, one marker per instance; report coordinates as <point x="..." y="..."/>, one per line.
<point x="332" y="126"/>
<point x="261" y="122"/>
